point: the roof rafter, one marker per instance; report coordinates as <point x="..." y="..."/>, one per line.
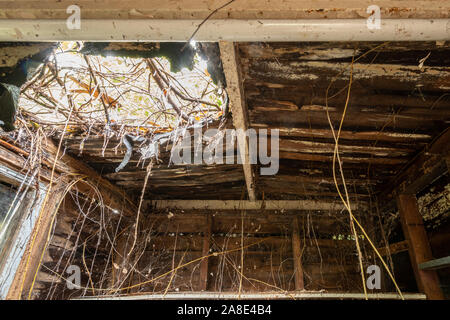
<point x="238" y="106"/>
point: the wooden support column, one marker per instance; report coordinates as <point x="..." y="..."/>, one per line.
<point x="205" y="252"/>
<point x="297" y="254"/>
<point x="30" y="262"/>
<point x="231" y="68"/>
<point x="419" y="247"/>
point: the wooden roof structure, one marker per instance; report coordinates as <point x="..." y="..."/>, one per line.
<point x="397" y="108"/>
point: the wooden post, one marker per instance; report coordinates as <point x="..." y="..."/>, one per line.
<point x="297" y="254"/>
<point x="30" y="262"/>
<point x="419" y="247"/>
<point x="205" y="252"/>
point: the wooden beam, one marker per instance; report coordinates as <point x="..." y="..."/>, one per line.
<point x="200" y="9"/>
<point x="366" y="135"/>
<point x="213" y="30"/>
<point x="113" y="196"/>
<point x="29" y="263"/>
<point x="419" y="247"/>
<point x="435" y="264"/>
<point x="288" y="295"/>
<point x="426" y="167"/>
<point x="297" y="254"/>
<point x="249" y="205"/>
<point x="394" y="248"/>
<point x="231" y="68"/>
<point x="205" y="252"/>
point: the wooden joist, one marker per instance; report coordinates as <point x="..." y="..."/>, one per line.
<point x="260" y="295"/>
<point x="364" y="135"/>
<point x="394" y="248"/>
<point x="427" y="166"/>
<point x="67" y="166"/>
<point x="231" y="68"/>
<point x="287" y="145"/>
<point x="248" y="205"/>
<point x="112" y="196"/>
<point x="435" y="264"/>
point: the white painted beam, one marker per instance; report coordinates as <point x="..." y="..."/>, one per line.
<point x="248" y="205"/>
<point x="226" y="30"/>
<point x="232" y="71"/>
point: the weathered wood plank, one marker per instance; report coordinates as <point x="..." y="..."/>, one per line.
<point x="355" y="119"/>
<point x="112" y="195"/>
<point x="200" y="9"/>
<point x="366" y="135"/>
<point x="247" y="205"/>
<point x="378" y="75"/>
<point x="287" y="145"/>
<point x="394" y="52"/>
<point x="349" y="159"/>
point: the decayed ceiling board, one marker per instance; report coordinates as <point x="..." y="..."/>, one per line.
<point x="396" y="107"/>
<point x="200" y="9"/>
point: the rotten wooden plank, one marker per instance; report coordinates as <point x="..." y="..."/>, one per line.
<point x="355" y="119"/>
<point x="365" y="135"/>
<point x="112" y="195"/>
<point x="380" y="75"/>
<point x="199" y="9"/>
<point x="248" y="205"/>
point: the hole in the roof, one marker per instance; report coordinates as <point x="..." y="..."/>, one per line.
<point x="128" y="93"/>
